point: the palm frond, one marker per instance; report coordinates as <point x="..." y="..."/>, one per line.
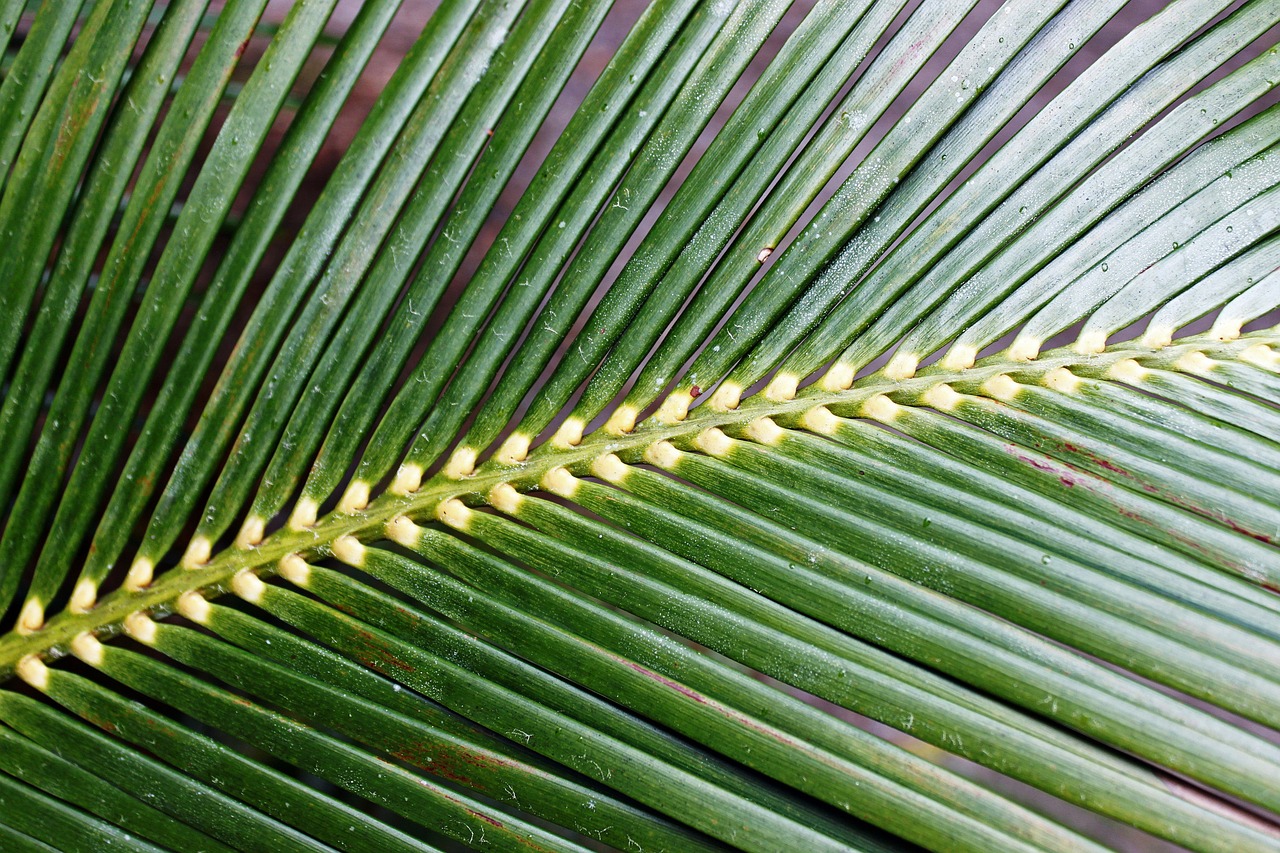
<point x="844" y="425"/>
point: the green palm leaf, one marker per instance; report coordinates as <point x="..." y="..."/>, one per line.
<point x="759" y="425"/>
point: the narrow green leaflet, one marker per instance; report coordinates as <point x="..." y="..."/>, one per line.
<point x="648" y="46"/>
<point x="58" y="141"/>
<point x="220" y="420"/>
<point x="41" y="768"/>
<point x="157" y="185"/>
<point x="525" y="108"/>
<point x="101" y="198"/>
<point x="27" y="78"/>
<point x="225" y="167"/>
<point x="395" y="188"/>
<point x="946" y="120"/>
<point x="147" y="459"/>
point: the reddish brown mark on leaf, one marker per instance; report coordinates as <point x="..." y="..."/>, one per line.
<point x="101" y="722"/>
<point x="702" y="700"/>
<point x="1065" y="475"/>
<point x="1136" y="516"/>
<point x="432" y="759"/>
<point x="1103" y="462"/>
<point x="910" y="55"/>
<point x="374" y="655"/>
<point x="486" y="818"/>
<point x="1189" y="541"/>
<point x="408" y="615"/>
<point x="1100" y="461"/>
<point x="1261" y="537"/>
<point x="1038" y="464"/>
<point x="452" y="763"/>
<point x="1186" y="504"/>
<point x="666" y="682"/>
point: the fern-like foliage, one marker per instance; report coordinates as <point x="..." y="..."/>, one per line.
<point x="824" y="462"/>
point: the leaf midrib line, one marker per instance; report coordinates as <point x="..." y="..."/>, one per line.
<point x="213" y="578"/>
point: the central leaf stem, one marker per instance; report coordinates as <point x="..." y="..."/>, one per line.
<point x="213" y="578"/>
